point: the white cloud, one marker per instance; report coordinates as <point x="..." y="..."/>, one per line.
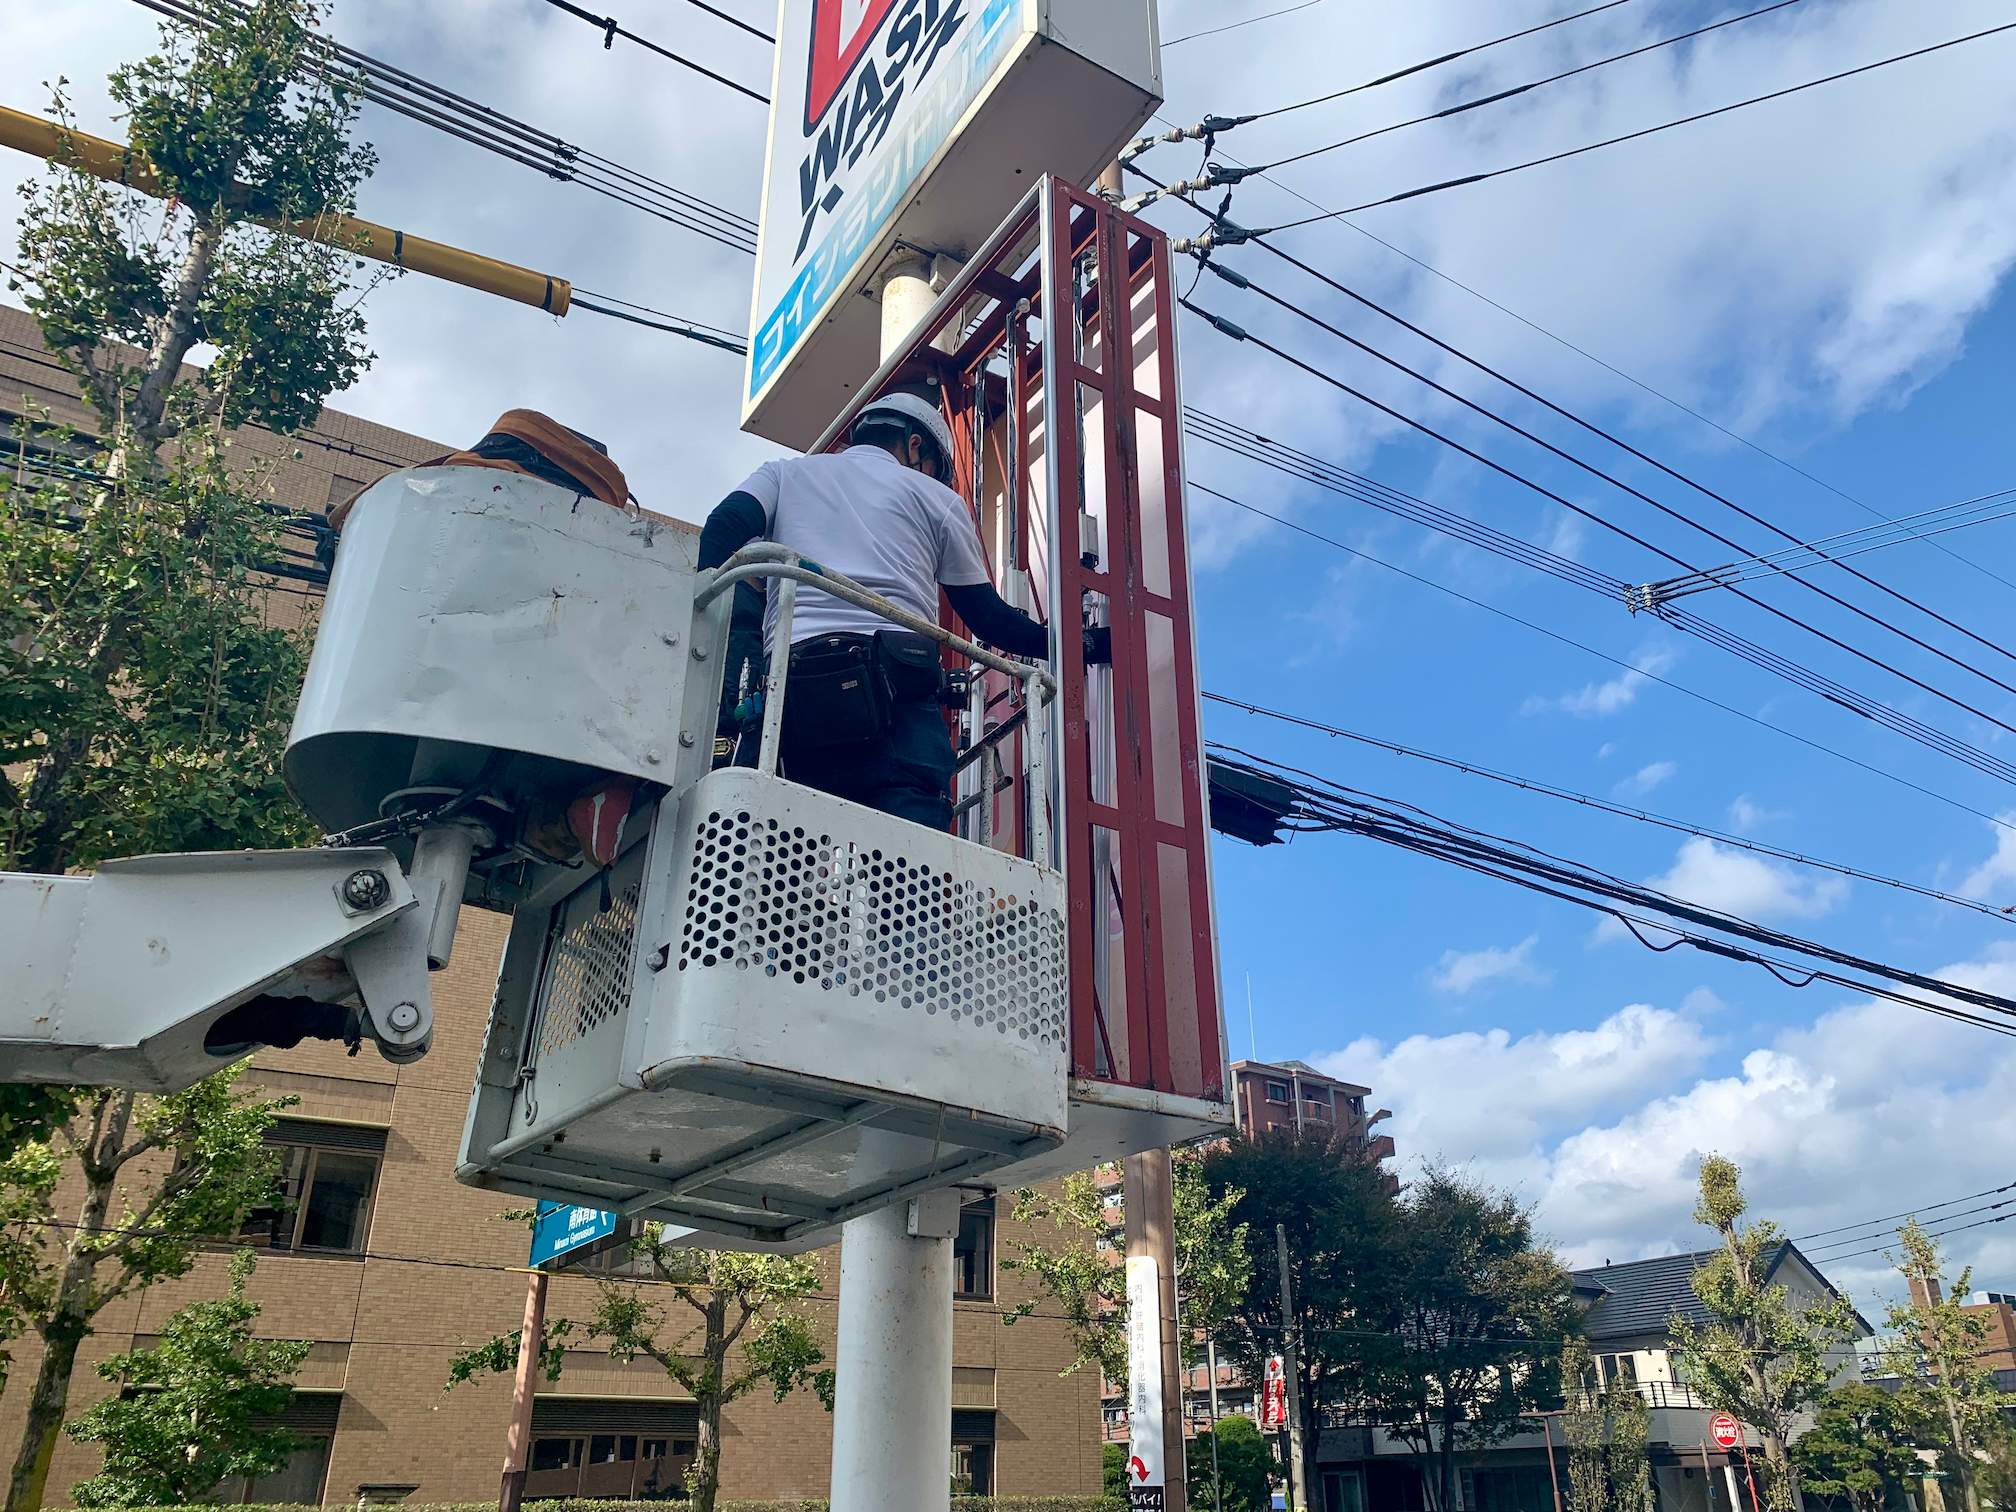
<point x="1646" y="778"/>
<point x="1992" y="879"/>
<point x="1869" y="1108"/>
<point x="1735" y="882"/>
<point x="1490" y="1099"/>
<point x="1461" y="971"/>
<point x="1606" y="750"/>
<point x="1594" y="700"/>
<point x="1746" y="816"/>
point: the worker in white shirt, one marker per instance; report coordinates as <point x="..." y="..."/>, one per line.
<point x="862" y="715"/>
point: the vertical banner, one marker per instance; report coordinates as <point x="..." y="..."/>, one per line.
<point x="1274" y="1396"/>
<point x="1145" y="1476"/>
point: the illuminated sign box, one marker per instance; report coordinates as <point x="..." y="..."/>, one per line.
<point x="922" y="122"/>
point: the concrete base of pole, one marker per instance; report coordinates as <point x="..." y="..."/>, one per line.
<point x="892" y="1409"/>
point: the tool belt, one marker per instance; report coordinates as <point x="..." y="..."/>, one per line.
<point x="844" y="689"/>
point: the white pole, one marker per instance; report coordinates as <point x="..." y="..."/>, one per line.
<point x="892" y="1406"/>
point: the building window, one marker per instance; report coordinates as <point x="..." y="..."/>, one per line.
<point x="311" y="1417"/>
<point x="619" y="1450"/>
<point x="1619" y="1369"/>
<point x="1277" y="1091"/>
<point x="973" y="1469"/>
<point x="328" y="1175"/>
<point x="973" y="1251"/>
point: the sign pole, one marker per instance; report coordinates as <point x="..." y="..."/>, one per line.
<point x="1157" y="1461"/>
<point x="1553" y="1475"/>
<point x="1291" y="1372"/>
<point x="518" y="1437"/>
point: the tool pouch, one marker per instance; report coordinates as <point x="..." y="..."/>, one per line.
<point x="836" y="695"/>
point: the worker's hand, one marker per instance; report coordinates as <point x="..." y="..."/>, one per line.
<point x="1098" y="646"/>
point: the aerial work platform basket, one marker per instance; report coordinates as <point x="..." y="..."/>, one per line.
<point x="776" y="1010"/>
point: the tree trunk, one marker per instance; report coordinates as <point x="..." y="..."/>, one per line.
<point x="1445" y="1467"/>
<point x="178" y="333"/>
<point x="70" y="1319"/>
<point x="707" y="1455"/>
<point x="1962" y="1458"/>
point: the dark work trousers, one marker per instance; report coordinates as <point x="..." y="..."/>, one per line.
<point x="907" y="772"/>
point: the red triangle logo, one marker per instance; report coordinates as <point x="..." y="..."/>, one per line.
<point x="841" y="32"/>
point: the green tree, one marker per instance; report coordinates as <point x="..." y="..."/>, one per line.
<point x="1113" y="1472"/>
<point x="30" y="1114"/>
<point x="737" y="1330"/>
<point x="189" y="1411"/>
<point x="1938" y="1350"/>
<point x="1064" y="1259"/>
<point x="1858" y="1449"/>
<point x="1343" y="1229"/>
<point x="1760" y="1358"/>
<point x="1478" y="1312"/>
<point x="144" y="693"/>
<point x="133" y="1225"/>
<point x="1245" y="1467"/>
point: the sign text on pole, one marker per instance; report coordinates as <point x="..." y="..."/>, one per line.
<point x="1145" y="1465"/>
<point x="1725" y="1430"/>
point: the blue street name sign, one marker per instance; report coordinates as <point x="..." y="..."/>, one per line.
<point x="560" y="1229"/>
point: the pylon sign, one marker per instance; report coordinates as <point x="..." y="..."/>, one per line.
<point x="920" y="121"/>
<point x="1146" y="1475"/>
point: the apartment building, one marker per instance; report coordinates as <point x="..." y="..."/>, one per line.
<point x="390" y="1267"/>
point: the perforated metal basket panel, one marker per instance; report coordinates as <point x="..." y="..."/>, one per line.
<point x="852" y="917"/>
<point x="585" y="981"/>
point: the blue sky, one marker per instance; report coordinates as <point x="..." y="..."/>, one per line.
<point x="1826" y="274"/>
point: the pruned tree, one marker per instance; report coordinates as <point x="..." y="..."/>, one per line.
<point x="1627" y="1457"/>
<point x="146" y="693"/>
<point x="1582" y="1426"/>
<point x="195" y="1409"/>
<point x="134" y="1224"/>
<point x="1477" y="1313"/>
<point x="1938" y="1351"/>
<point x="1064" y="1259"/>
<point x="1760" y="1358"/>
<point x="734" y="1329"/>
<point x="1859" y="1448"/>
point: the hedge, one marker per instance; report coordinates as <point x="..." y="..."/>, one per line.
<point x="960" y="1504"/>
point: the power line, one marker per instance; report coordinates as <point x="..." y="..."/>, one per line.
<point x="754" y="31"/>
<point x="1277" y="455"/>
<point x="1908" y="1212"/>
<point x="1437" y="62"/>
<point x="1325" y="806"/>
<point x="1986" y="1207"/>
<point x="683" y="328"/>
<point x="1796" y="672"/>
<point x="610" y="30"/>
<point x="1499" y="96"/>
<point x="1941" y="1234"/>
<point x="408" y="94"/>
<point x="1249" y="21"/>
<point x="1632" y="136"/>
<point x="1615" y="661"/>
<point x="1982" y="509"/>
<point x="1643" y="456"/>
<point x="1609" y="367"/>
<point x="1604" y="805"/>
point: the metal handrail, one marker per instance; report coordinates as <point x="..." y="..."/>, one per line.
<point x="769" y="560"/>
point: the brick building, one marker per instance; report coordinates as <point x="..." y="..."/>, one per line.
<point x="391" y="1268"/>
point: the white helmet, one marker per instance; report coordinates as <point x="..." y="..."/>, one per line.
<point x="917" y="411"/>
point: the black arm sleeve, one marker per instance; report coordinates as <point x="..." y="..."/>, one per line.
<point x="999" y="623"/>
<point x="737" y="520"/>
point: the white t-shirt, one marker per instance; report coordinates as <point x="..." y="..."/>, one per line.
<point x="865" y="515"/>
